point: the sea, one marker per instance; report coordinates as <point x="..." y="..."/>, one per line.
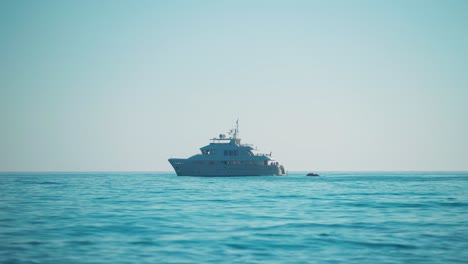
<point x="339" y="217"/>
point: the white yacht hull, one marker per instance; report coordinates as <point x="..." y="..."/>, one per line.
<point x="186" y="167"/>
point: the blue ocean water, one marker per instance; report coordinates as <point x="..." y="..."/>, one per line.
<point x="340" y="217"/>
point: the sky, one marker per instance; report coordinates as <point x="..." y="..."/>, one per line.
<point x="325" y="85"/>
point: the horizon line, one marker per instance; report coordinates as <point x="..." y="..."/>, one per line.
<point x="171" y="171"/>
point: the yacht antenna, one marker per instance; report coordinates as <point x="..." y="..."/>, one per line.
<point x="236" y="130"/>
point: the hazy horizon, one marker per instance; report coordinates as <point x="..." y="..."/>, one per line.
<point x="92" y="86"/>
<point x="172" y="171"/>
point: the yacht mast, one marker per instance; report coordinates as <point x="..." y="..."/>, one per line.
<point x="236" y="130"/>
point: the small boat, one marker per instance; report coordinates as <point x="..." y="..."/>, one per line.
<point x="312" y="174"/>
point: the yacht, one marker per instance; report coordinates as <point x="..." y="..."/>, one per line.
<point x="226" y="156"/>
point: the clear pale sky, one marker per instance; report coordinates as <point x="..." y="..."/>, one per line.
<point x="324" y="85"/>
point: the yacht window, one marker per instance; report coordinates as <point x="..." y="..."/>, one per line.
<point x="236" y="153"/>
<point x="230" y="153"/>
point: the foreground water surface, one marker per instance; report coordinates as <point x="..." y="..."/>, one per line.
<point x="340" y="217"/>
